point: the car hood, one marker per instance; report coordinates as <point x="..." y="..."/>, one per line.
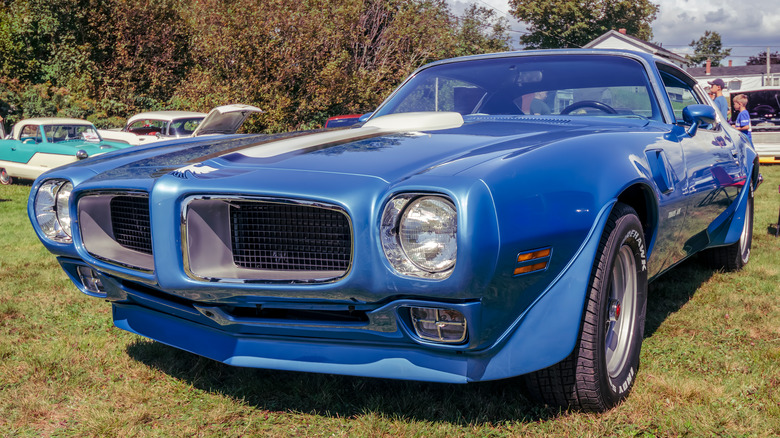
<point x="373" y="150"/>
<point x="225" y="119"/>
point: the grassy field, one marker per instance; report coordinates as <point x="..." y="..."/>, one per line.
<point x="710" y="366"/>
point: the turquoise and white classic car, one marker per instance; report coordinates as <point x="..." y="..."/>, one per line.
<point x="39" y="144"/>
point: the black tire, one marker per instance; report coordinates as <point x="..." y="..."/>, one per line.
<point x="5" y="178"/>
<point x="735" y="256"/>
<point x="601" y="370"/>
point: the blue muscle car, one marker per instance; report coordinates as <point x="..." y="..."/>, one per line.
<point x="498" y="215"/>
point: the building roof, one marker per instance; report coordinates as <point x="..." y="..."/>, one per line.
<point x="613" y="39"/>
<point x="737" y="70"/>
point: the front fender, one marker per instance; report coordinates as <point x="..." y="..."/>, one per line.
<point x="726" y="229"/>
<point x="555" y="315"/>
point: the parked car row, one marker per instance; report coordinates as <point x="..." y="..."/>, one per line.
<point x="39" y="144"/>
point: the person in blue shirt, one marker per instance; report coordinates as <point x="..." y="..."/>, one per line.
<point x="743" y="118"/>
<point x="721" y="103"/>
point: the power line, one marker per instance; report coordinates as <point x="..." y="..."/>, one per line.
<point x="723" y="45"/>
<point x="493" y="7"/>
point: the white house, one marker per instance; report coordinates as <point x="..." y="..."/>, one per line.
<point x="741" y="77"/>
<point x="619" y="40"/>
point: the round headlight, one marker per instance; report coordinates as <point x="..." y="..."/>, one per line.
<point x="51" y="209"/>
<point x="428" y="233"/>
<point x="63" y="212"/>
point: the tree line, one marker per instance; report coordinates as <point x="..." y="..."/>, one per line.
<point x="300" y="61"/>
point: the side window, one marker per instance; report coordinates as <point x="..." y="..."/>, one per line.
<point x="31" y="132"/>
<point x="680" y="94"/>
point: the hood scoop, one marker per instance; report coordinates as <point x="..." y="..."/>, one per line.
<point x="419" y="121"/>
<point x="393" y="123"/>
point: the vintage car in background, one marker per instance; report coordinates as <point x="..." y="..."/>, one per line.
<point x="453" y="237"/>
<point x="764" y="108"/>
<point x="342" y="121"/>
<point x="155" y="126"/>
<point x="39" y="144"/>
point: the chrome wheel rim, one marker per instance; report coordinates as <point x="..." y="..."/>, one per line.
<point x="621" y="311"/>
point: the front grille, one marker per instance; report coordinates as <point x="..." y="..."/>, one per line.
<point x="130" y="223"/>
<point x="286" y="237"/>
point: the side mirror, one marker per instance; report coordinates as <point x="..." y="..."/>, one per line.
<point x="697" y="115"/>
<point x="365" y="117"/>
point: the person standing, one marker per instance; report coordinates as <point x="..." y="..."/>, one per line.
<point x="743" y="118"/>
<point x="721" y="103"/>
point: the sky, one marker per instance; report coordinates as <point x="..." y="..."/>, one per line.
<point x="746" y="26"/>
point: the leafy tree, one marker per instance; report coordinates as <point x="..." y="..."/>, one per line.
<point x="304" y="61"/>
<point x="299" y="61"/>
<point x="144" y="53"/>
<point x="760" y="58"/>
<point x="710" y="47"/>
<point x="574" y="23"/>
<point x="92" y="56"/>
<point x="479" y="30"/>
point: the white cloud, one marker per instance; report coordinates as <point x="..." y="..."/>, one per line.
<point x="747" y="27"/>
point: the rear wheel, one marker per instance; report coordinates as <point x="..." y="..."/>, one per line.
<point x="601" y="370"/>
<point x="5" y="178"/>
<point x="735" y="256"/>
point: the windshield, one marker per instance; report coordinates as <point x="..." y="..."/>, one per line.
<point x="184" y="127"/>
<point x="147" y="127"/>
<point x="60" y="133"/>
<point x="530" y="85"/>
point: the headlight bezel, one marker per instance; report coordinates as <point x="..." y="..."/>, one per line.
<point x="396" y="211"/>
<point x="52" y="209"/>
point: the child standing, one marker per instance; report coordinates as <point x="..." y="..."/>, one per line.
<point x="743" y="118"/>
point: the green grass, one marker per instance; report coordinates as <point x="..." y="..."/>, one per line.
<point x="710" y="366"/>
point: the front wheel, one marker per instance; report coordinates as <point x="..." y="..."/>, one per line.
<point x="601" y="370"/>
<point x="5" y="178"/>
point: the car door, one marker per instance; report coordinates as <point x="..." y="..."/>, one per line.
<point x="712" y="170"/>
<point x="21" y="150"/>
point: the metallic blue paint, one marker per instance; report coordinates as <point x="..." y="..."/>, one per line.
<point x="519" y="183"/>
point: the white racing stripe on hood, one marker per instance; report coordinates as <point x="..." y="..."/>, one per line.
<point x="403" y="122"/>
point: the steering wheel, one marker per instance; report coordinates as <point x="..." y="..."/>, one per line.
<point x="589" y="104"/>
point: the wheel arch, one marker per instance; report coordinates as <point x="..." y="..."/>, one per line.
<point x="755" y="173"/>
<point x="640" y="197"/>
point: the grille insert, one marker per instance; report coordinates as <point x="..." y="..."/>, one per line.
<point x="130" y="223"/>
<point x="287" y="237"/>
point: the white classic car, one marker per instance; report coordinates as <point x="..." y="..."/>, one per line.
<point x="155" y="126"/>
